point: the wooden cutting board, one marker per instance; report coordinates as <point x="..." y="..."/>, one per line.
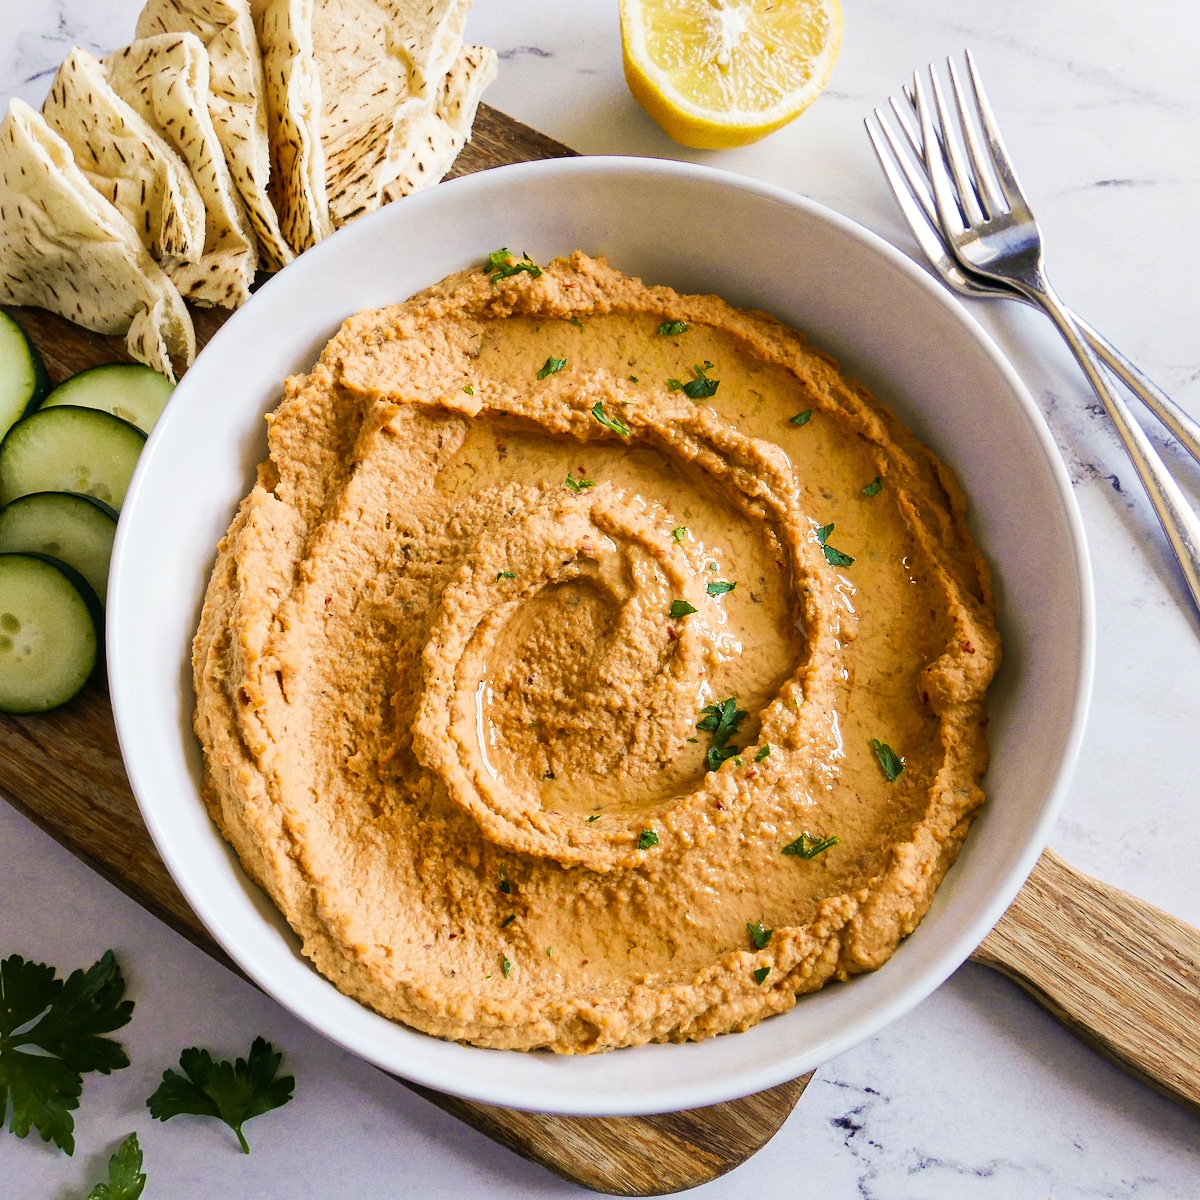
<point x="1122" y="975"/>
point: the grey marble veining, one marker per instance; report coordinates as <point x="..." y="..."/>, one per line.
<point x="976" y="1094"/>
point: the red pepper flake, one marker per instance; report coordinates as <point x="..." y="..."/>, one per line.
<point x="672" y="634"/>
<point x="966" y="647"/>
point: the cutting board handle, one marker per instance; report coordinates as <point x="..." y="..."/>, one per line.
<point x="1117" y="972"/>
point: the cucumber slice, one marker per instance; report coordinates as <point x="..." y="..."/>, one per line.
<point x="79" y="530"/>
<point x="68" y="449"/>
<point x="130" y="391"/>
<point x="49" y="636"/>
<point x="23" y="378"/>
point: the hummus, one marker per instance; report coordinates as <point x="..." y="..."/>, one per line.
<point x="592" y="664"/>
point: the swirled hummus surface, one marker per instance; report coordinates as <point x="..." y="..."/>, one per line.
<point x="560" y="698"/>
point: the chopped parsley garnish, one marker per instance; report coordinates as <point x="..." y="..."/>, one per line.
<point x="808" y="846"/>
<point x="593" y="817"/>
<point x="577" y="485"/>
<point x="506" y="887"/>
<point x="125" y="1178"/>
<point x="614" y="423"/>
<point x="722" y="721"/>
<point x="672" y="328"/>
<point x="633" y="379"/>
<point x="646" y="839"/>
<point x="675" y="385"/>
<point x="505" y="575"/>
<point x="764" y="751"/>
<point x="577" y="323"/>
<point x="469" y="390"/>
<point x="505" y="966"/>
<point x="679" y="533"/>
<point x="761" y="974"/>
<point x="718" y="587"/>
<point x="696" y="740"/>
<point x="50" y="1038"/>
<point x="874" y="487"/>
<point x="680" y="608"/>
<point x="890" y="763"/>
<point x="233" y="1092"/>
<point x="835" y="558"/>
<point x="801" y="418"/>
<point x="701" y="388"/>
<point x="498" y="265"/>
<point x="508" y="920"/>
<point x="551" y="366"/>
<point x="759" y="935"/>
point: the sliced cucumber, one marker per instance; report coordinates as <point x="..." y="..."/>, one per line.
<point x="68" y="449"/>
<point x="127" y="390"/>
<point x="79" y="530"/>
<point x="23" y="378"/>
<point x="49" y="633"/>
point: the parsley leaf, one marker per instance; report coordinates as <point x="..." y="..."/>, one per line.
<point x="835" y="558"/>
<point x="469" y="390"/>
<point x="125" y="1178"/>
<point x="646" y="839"/>
<point x="551" y="366"/>
<point x="672" y="328"/>
<point x="577" y="485"/>
<point x="633" y="379"/>
<point x="505" y="575"/>
<point x="681" y="608"/>
<point x="890" y="763"/>
<point x="679" y="533"/>
<point x="505" y="966"/>
<point x="718" y="587"/>
<point x="499" y="267"/>
<point x="675" y="385"/>
<point x="764" y="752"/>
<point x="506" y="887"/>
<point x="722" y="721"/>
<point x="701" y="388"/>
<point x="593" y="817"/>
<point x="508" y="920"/>
<point x="64" y="1020"/>
<point x="761" y="974"/>
<point x="874" y="487"/>
<point x="801" y="418"/>
<point x="759" y="935"/>
<point x="233" y="1092"/>
<point x="613" y="423"/>
<point x="808" y="846"/>
<point x="577" y="323"/>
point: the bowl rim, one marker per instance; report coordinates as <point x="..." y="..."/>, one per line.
<point x="668" y="1096"/>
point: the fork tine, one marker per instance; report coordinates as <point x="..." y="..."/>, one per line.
<point x="949" y="216"/>
<point x="952" y="152"/>
<point x="903" y="119"/>
<point x="991" y="131"/>
<point x="990" y="200"/>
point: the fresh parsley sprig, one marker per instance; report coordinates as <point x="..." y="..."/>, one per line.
<point x="61" y="1022"/>
<point x="233" y="1092"/>
<point x="614" y="423"/>
<point x="125" y="1178"/>
<point x="501" y="265"/>
<point x="835" y="558"/>
<point x="701" y="388"/>
<point x="672" y="328"/>
<point x="646" y="839"/>
<point x="808" y="846"/>
<point x="759" y="934"/>
<point x="551" y="366"/>
<point x="722" y="721"/>
<point x="578" y="485"/>
<point x="890" y="763"/>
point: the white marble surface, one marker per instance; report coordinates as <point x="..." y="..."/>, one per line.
<point x="976" y="1094"/>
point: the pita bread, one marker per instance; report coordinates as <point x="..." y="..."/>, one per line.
<point x="165" y="79"/>
<point x="381" y="63"/>
<point x="433" y="146"/>
<point x="64" y="247"/>
<point x="125" y="159"/>
<point x="293" y="90"/>
<point x="236" y="101"/>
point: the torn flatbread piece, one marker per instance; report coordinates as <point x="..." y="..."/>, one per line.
<point x="166" y="80"/>
<point x="436" y="142"/>
<point x="237" y="102"/>
<point x="381" y="64"/>
<point x="64" y="247"/>
<point x="125" y="159"/>
<point x="293" y="92"/>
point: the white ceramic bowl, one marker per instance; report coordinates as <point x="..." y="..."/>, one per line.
<point x="698" y="230"/>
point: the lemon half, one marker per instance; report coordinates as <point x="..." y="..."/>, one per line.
<point x="720" y="73"/>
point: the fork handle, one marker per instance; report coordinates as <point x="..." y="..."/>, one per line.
<point x="1179" y="521"/>
<point x="1184" y="427"/>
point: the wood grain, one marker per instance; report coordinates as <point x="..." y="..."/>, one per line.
<point x="1119" y="973"/>
<point x="64" y="771"/>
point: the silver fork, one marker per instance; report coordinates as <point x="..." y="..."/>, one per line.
<point x="991" y="231"/>
<point x="911" y="188"/>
